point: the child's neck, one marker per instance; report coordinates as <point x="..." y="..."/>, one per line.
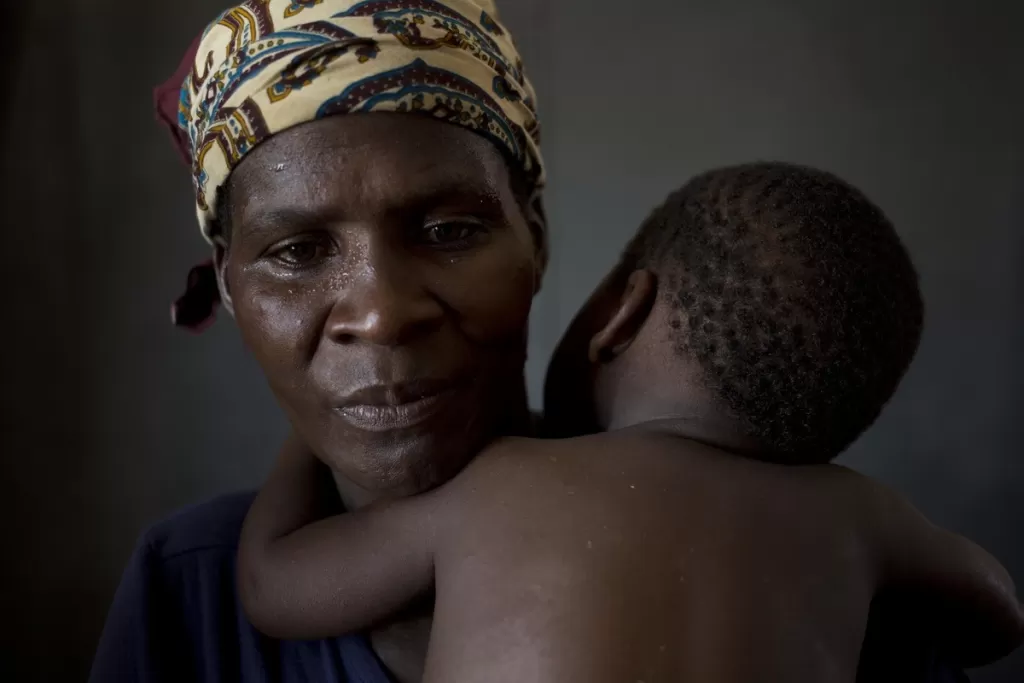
<point x="709" y="427"/>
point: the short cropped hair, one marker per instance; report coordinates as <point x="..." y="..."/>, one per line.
<point x="794" y="294"/>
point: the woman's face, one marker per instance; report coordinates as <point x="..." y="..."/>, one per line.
<point x="381" y="270"/>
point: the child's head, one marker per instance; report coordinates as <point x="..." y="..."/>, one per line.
<point x="772" y="298"/>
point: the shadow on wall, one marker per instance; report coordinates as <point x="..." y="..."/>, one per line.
<point x="12" y="38"/>
<point x="41" y="424"/>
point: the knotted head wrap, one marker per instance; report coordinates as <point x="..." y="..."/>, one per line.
<point x="265" y="66"/>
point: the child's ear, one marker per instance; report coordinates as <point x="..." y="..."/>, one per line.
<point x="220" y="264"/>
<point x="628" y="318"/>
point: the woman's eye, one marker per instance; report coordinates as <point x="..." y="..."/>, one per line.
<point x="451" y="232"/>
<point x="299" y="254"/>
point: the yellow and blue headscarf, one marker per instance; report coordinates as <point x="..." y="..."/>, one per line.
<point x="265" y="66"/>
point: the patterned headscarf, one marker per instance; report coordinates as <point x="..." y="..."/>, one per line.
<point x="268" y="65"/>
<point x="265" y="66"/>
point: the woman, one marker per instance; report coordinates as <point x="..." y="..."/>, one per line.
<point x="369" y="177"/>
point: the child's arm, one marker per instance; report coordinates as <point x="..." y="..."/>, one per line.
<point x="964" y="593"/>
<point x="301" y="577"/>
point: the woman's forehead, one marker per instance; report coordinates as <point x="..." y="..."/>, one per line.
<point x="383" y="157"/>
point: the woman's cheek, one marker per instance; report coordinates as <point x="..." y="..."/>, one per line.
<point x="493" y="294"/>
<point x="277" y="320"/>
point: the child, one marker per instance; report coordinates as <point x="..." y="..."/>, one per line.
<point x="760" y="319"/>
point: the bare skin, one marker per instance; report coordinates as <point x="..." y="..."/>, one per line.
<point x="743" y="571"/>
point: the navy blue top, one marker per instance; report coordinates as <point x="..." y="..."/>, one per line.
<point x="176" y="617"/>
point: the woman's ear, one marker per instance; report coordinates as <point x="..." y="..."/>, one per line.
<point x="220" y="264"/>
<point x="628" y="318"/>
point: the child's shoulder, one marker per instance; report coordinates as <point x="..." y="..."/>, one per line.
<point x="525" y="452"/>
<point x="528" y="461"/>
<point x="511" y="459"/>
<point x="515" y="453"/>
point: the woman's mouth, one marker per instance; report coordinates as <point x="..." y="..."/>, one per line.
<point x="395" y="407"/>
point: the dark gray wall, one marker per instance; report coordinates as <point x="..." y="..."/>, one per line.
<point x="111" y="419"/>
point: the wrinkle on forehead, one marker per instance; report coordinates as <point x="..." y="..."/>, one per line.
<point x="366" y="159"/>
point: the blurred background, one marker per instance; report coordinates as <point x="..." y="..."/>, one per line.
<point x="112" y="418"/>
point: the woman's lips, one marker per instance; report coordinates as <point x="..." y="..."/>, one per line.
<point x="393" y="416"/>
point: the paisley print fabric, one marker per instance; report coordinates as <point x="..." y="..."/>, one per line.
<point x="267" y="65"/>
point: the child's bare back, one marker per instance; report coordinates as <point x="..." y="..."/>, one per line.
<point x="641" y="556"/>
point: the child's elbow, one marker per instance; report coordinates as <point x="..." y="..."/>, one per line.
<point x="1004" y="611"/>
<point x="1007" y="633"/>
<point x="264" y="615"/>
<point x="254" y="598"/>
<point x="996" y="629"/>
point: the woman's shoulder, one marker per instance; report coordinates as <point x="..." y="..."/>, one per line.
<point x="176" y="617"/>
<point x="210" y="526"/>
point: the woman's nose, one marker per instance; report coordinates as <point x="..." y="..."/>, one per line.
<point x="385" y="302"/>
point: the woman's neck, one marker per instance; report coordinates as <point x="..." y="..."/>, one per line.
<point x="353" y="497"/>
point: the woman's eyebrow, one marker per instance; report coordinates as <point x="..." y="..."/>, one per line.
<point x="449" y="195"/>
<point x="455" y="195"/>
<point x="272" y="218"/>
